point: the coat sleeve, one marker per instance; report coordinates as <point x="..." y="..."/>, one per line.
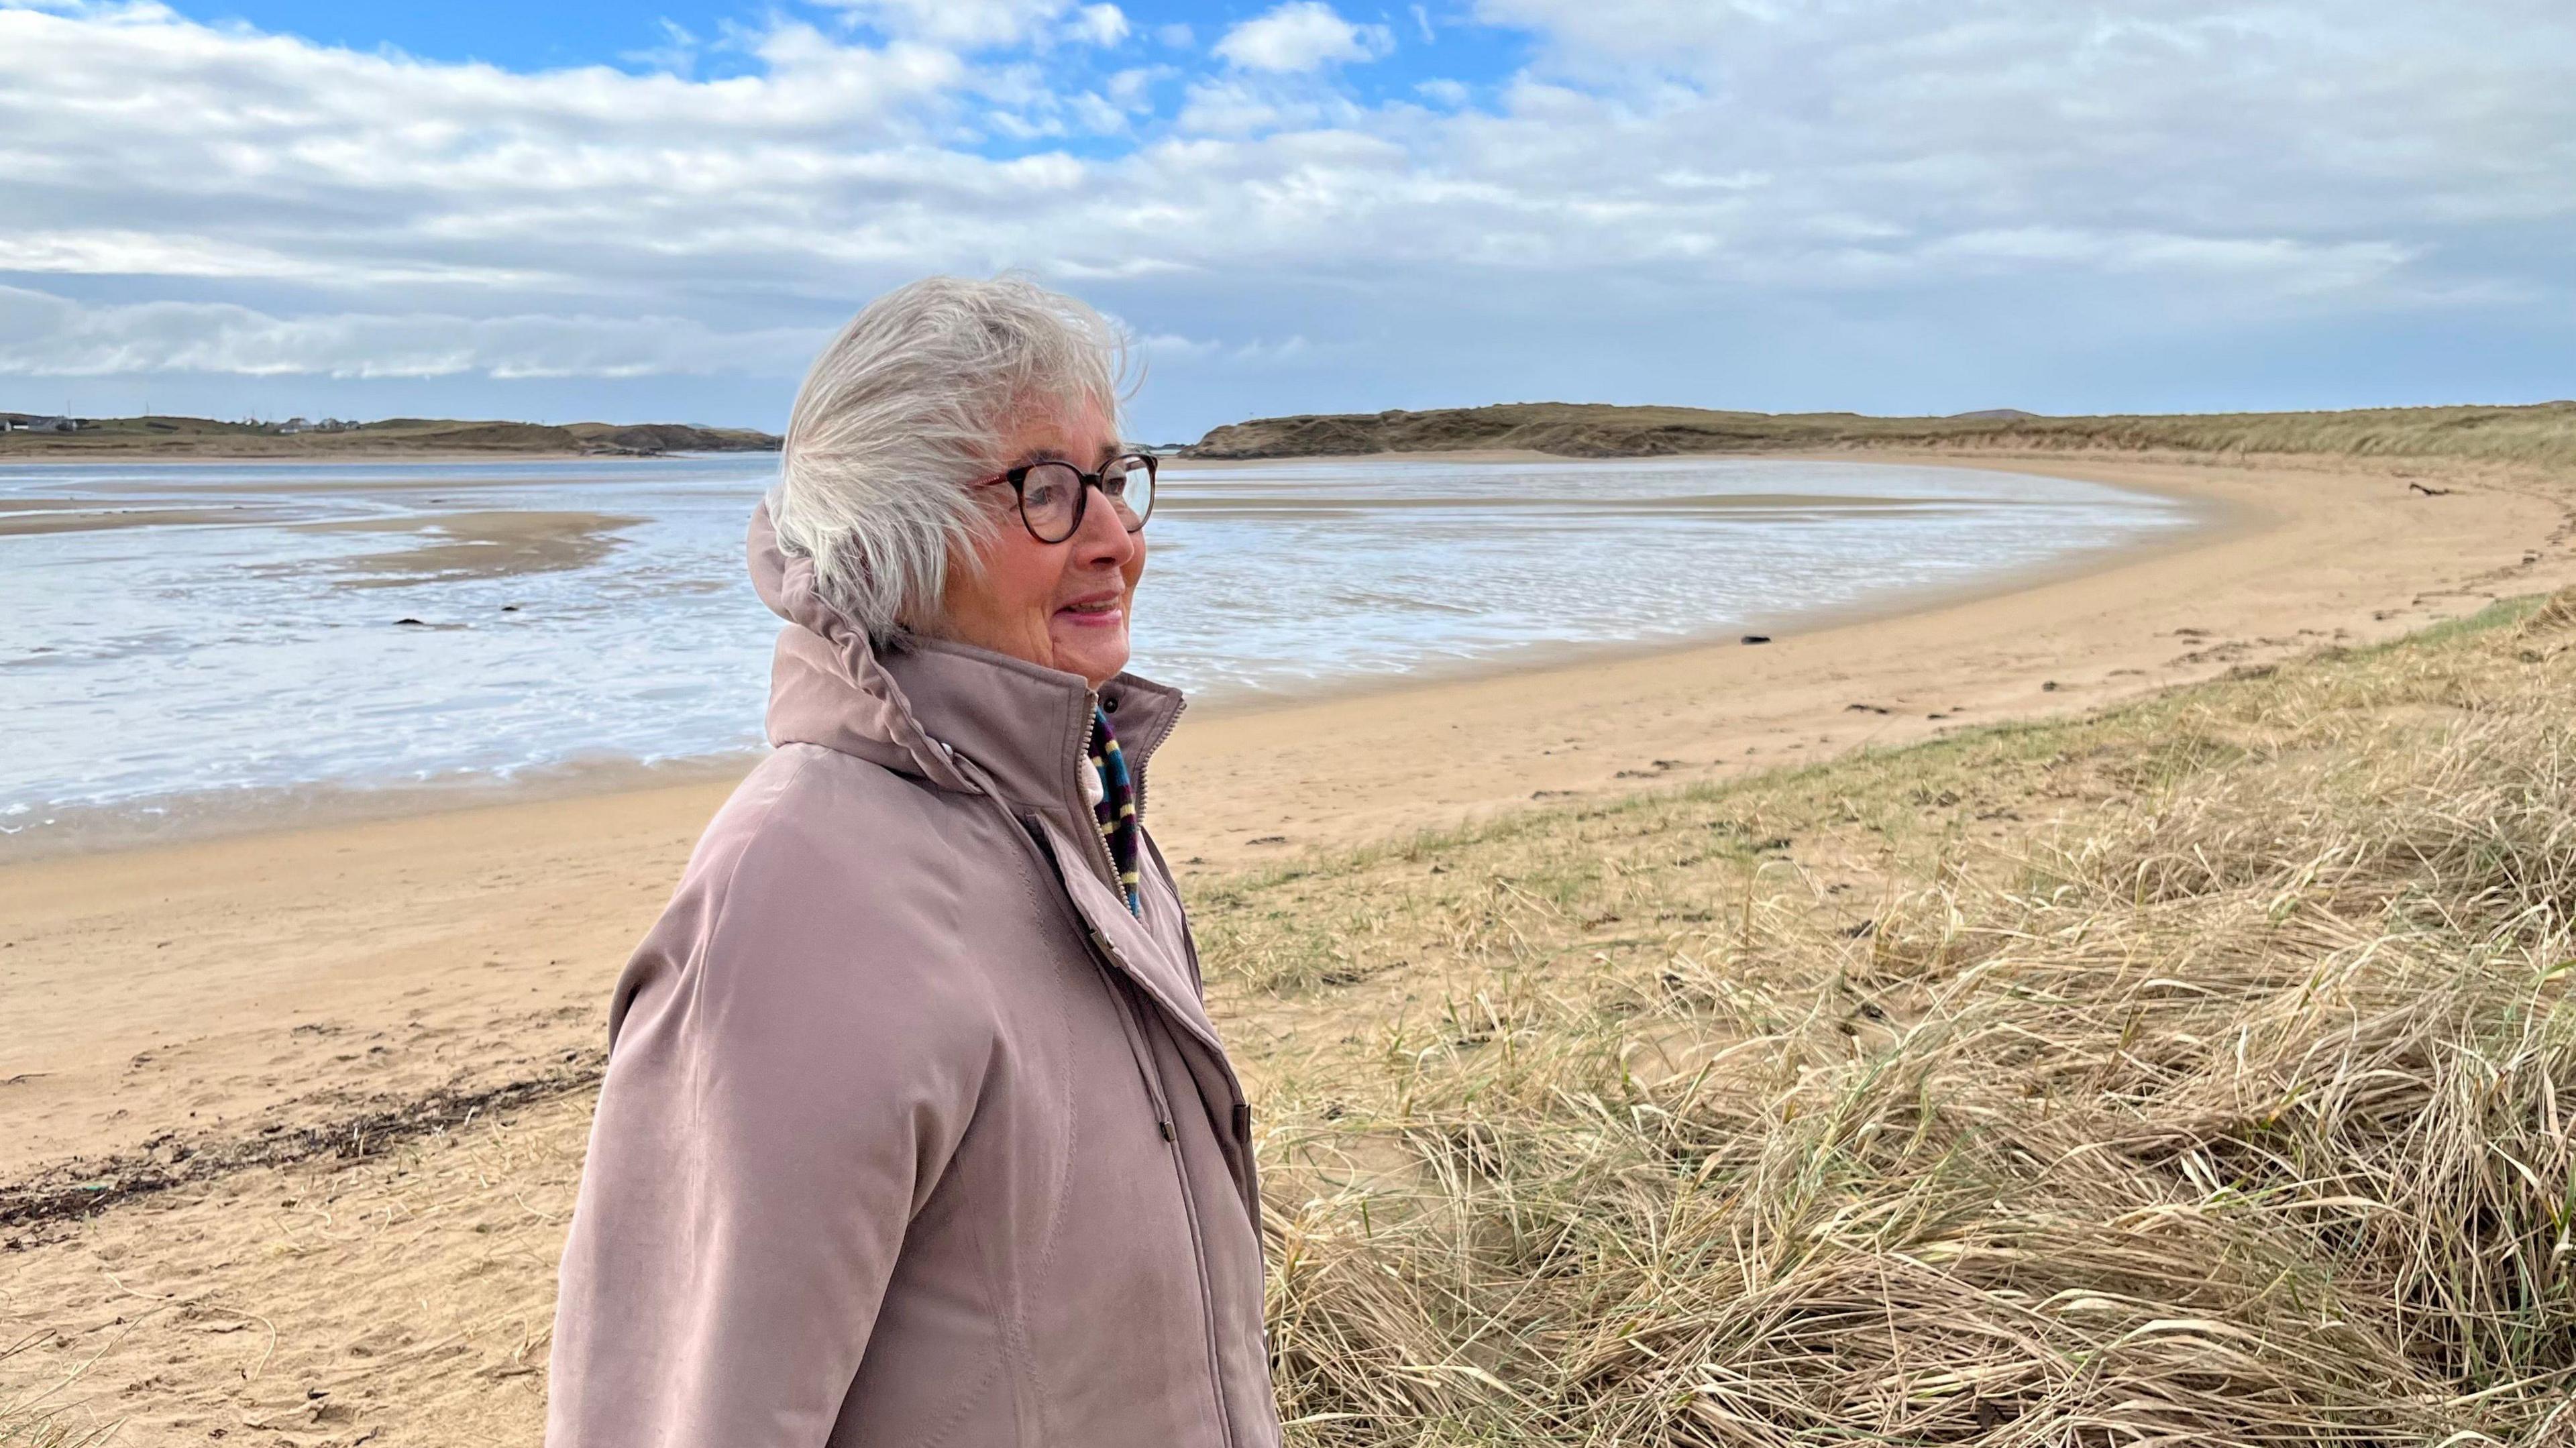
<point x="789" y="1075"/>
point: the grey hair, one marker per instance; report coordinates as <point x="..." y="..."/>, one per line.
<point x="905" y="410"/>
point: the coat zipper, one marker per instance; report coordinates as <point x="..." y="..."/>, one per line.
<point x="1141" y="1052"/>
<point x="1239" y="1117"/>
<point x="1164" y="1120"/>
<point x="1096" y="852"/>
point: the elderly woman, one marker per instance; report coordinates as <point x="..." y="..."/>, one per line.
<point x="915" y="1130"/>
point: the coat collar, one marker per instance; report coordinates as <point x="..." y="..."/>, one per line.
<point x="920" y="704"/>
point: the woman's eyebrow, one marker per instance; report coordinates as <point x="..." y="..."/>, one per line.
<point x="1035" y="456"/>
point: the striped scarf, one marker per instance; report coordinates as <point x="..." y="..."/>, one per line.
<point x="1116" y="809"/>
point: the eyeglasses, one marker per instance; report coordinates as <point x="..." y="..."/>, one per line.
<point x="1053" y="495"/>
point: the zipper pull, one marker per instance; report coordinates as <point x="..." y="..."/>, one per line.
<point x="1164" y="1127"/>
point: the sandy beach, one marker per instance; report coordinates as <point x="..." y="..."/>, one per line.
<point x="188" y="1003"/>
<point x="206" y="987"/>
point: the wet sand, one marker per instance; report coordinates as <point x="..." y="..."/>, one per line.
<point x="29" y="517"/>
<point x="206" y="991"/>
<point x="446" y="546"/>
<point x="452" y="546"/>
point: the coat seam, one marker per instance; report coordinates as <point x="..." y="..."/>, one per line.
<point x="1062" y="1192"/>
<point x="965" y="1402"/>
<point x="1249" y="1181"/>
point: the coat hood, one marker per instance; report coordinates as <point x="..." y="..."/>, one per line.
<point x="960" y="717"/>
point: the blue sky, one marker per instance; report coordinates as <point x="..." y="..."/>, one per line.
<point x="1438" y="41"/>
<point x="627" y="212"/>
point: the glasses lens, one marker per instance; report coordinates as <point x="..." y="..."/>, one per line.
<point x="1049" y="496"/>
<point x="1129" y="482"/>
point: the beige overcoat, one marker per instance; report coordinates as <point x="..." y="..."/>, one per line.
<point x="912" y="1136"/>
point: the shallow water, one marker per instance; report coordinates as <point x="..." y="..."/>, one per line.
<point x="173" y="636"/>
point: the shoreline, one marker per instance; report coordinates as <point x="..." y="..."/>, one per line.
<point x="209" y="817"/>
<point x="218" y="986"/>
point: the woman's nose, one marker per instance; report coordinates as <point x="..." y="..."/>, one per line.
<point x="1103" y="536"/>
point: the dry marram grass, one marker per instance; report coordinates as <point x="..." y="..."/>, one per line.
<point x="2232" y="1106"/>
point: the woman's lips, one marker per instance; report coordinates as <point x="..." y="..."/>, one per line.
<point x="1098" y="612"/>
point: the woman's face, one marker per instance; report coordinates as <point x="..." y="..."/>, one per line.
<point x="1060" y="605"/>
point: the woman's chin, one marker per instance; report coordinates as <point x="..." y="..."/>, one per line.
<point x="1094" y="652"/>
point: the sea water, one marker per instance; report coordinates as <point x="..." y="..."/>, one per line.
<point x="177" y="639"/>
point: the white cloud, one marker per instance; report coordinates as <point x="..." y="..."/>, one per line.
<point x="1171" y="347"/>
<point x="678" y="52"/>
<point x="1302" y="35"/>
<point x="46" y="335"/>
<point x="2194" y="164"/>
<point x="163" y="254"/>
<point x="971" y="23"/>
<point x="1098" y="25"/>
<point x="1226" y="108"/>
<point x="1442" y="92"/>
<point x="2302" y="265"/>
<point x="1133" y="89"/>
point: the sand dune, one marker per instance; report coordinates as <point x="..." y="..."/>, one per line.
<point x="2541" y="435"/>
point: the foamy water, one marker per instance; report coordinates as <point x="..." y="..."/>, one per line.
<point x="249" y="632"/>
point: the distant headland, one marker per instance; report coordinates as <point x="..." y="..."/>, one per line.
<point x="2539" y="433"/>
<point x="32" y="435"/>
<point x="2543" y="433"/>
